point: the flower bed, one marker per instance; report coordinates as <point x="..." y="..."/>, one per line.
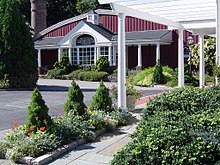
<point x="41" y="134"/>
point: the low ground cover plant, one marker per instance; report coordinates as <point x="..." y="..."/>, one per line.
<point x="178" y="127"/>
<point x="42" y="134"/>
<point x="146" y="76"/>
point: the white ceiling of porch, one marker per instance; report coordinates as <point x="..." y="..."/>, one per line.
<point x="196" y="15"/>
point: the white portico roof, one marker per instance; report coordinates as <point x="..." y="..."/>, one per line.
<point x="195" y="15"/>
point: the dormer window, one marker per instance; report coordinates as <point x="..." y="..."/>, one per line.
<point x="93" y="17"/>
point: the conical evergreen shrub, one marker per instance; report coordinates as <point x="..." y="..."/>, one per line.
<point x="63" y="63"/>
<point x="101" y="100"/>
<point x="75" y="100"/>
<point x="38" y="118"/>
<point x="158" y="76"/>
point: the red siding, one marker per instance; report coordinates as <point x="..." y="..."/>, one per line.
<point x="111" y="23"/>
<point x="131" y="24"/>
<point x="62" y="31"/>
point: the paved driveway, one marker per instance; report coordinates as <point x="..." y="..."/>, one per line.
<point x="13" y="104"/>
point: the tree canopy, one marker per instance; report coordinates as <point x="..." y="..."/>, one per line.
<point x="60" y="10"/>
<point x="18" y="56"/>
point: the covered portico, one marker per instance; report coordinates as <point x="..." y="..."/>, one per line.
<point x="202" y="17"/>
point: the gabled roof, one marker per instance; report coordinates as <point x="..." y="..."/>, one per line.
<point x="102" y="30"/>
<point x="70" y="20"/>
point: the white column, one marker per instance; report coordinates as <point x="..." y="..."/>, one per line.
<point x="77" y="56"/>
<point x="217" y="36"/>
<point x="59" y="54"/>
<point x="70" y="56"/>
<point x="180" y="59"/>
<point x="201" y="63"/>
<point x="139" y="56"/>
<point x="121" y="62"/>
<point x="39" y="57"/>
<point x="158" y="52"/>
<point x="98" y="53"/>
<point x="114" y="55"/>
<point x="110" y="55"/>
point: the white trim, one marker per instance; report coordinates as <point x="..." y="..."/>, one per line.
<point x="114" y="55"/>
<point x="180" y="59"/>
<point x="80" y="29"/>
<point x="157" y="52"/>
<point x="110" y="55"/>
<point x="39" y="57"/>
<point x="139" y="56"/>
<point x="59" y="53"/>
<point x="121" y="62"/>
<point x="128" y="11"/>
<point x="69" y="53"/>
<point x="202" y="62"/>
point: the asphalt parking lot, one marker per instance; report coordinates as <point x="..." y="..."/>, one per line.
<point x="14" y="103"/>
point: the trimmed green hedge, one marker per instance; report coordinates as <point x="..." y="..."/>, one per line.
<point x="179" y="127"/>
<point x="56" y="73"/>
<point x="88" y="75"/>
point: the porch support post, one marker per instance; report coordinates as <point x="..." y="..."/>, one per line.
<point x="158" y="52"/>
<point x="121" y="62"/>
<point x="180" y="59"/>
<point x="39" y="57"/>
<point x="139" y="56"/>
<point x="98" y="53"/>
<point x="217" y="36"/>
<point x="114" y="55"/>
<point x="201" y="63"/>
<point x="59" y="54"/>
<point x="110" y="55"/>
<point x="69" y="56"/>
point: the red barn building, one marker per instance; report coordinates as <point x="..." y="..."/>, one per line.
<point x="86" y="37"/>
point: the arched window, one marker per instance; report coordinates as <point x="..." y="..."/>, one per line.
<point x="85" y="39"/>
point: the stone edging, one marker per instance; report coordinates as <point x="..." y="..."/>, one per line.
<point x="47" y="158"/>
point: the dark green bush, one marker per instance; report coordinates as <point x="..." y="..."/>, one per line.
<point x="179" y="127"/>
<point x="101" y="100"/>
<point x="38" y="114"/>
<point x="56" y="73"/>
<point x="75" y="100"/>
<point x="92" y="76"/>
<point x="158" y="76"/>
<point x="101" y="64"/>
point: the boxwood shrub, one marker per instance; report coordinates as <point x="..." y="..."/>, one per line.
<point x="56" y="73"/>
<point x="179" y="127"/>
<point x="92" y="76"/>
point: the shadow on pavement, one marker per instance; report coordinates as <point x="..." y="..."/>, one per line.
<point x="51" y="88"/>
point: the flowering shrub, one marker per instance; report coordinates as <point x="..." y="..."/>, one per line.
<point x="42" y="134"/>
<point x="130" y="90"/>
<point x="38" y="118"/>
<point x="16" y="144"/>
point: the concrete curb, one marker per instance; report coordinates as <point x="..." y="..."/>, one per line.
<point x="47" y="158"/>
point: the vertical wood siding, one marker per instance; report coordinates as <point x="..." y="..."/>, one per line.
<point x="111" y="22"/>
